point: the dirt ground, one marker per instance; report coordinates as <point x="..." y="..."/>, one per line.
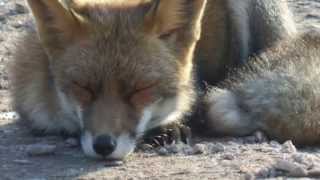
<point x="225" y="158"/>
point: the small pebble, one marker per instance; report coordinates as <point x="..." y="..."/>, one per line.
<point x="250" y="139"/>
<point x="216" y="147"/>
<point x="162" y="151"/>
<point x="273" y="172"/>
<point x="228" y="157"/>
<point x="275" y="144"/>
<point x="260" y="137"/>
<point x="315" y="172"/>
<point x="21" y="161"/>
<point x="3" y="84"/>
<point x="175" y="148"/>
<point x="114" y="163"/>
<point x="8" y="115"/>
<point x="288" y="147"/>
<point x="41" y="149"/>
<point x="299" y="172"/>
<point x="73" y="172"/>
<point x="292" y="168"/>
<point x="249" y="176"/>
<point x="72" y="142"/>
<point x="264" y="173"/>
<point x="131" y="178"/>
<point x="187" y="150"/>
<point x="18" y="25"/>
<point x="199" y="149"/>
<point x="20" y="9"/>
<point x="2" y="18"/>
<point x="305" y="159"/>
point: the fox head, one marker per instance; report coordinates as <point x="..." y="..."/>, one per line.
<point x="122" y="67"/>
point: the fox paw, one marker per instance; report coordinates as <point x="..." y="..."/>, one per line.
<point x="167" y="135"/>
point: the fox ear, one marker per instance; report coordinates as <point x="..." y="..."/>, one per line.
<point x="57" y="26"/>
<point x="166" y="17"/>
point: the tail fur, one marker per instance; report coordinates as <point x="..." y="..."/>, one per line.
<point x="278" y="92"/>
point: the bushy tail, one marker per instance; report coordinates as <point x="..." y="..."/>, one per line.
<point x="278" y="93"/>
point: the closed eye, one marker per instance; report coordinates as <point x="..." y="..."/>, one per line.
<point x="84" y="94"/>
<point x="143" y="94"/>
<point x="144" y="86"/>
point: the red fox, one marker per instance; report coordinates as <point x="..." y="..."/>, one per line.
<point x="110" y="71"/>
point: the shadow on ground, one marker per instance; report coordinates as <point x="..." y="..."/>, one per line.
<point x="66" y="162"/>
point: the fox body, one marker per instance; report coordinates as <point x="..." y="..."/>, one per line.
<point x="112" y="70"/>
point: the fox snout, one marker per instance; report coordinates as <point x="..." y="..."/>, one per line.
<point x="104" y="145"/>
<point x="110" y="133"/>
<point x="115" y="137"/>
<point x="107" y="146"/>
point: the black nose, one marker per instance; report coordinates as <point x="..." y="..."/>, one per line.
<point x="104" y="145"/>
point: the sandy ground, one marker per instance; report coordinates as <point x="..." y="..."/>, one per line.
<point x="228" y="158"/>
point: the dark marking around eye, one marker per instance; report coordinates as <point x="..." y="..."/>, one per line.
<point x="84" y="93"/>
<point x="142" y="94"/>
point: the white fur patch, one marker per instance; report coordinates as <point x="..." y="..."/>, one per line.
<point x="80" y="116"/>
<point x="174" y="116"/>
<point x="125" y="146"/>
<point x="64" y="103"/>
<point x="288" y="20"/>
<point x="70" y="108"/>
<point x="87" y="145"/>
<point x="143" y="122"/>
<point x="165" y="112"/>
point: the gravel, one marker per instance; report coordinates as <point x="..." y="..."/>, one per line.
<point x="40" y="149"/>
<point x="288" y="147"/>
<point x="72" y="142"/>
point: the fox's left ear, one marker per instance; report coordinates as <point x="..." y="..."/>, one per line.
<point x="57" y="25"/>
<point x="175" y="17"/>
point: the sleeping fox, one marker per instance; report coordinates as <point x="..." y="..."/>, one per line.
<point x="110" y="71"/>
